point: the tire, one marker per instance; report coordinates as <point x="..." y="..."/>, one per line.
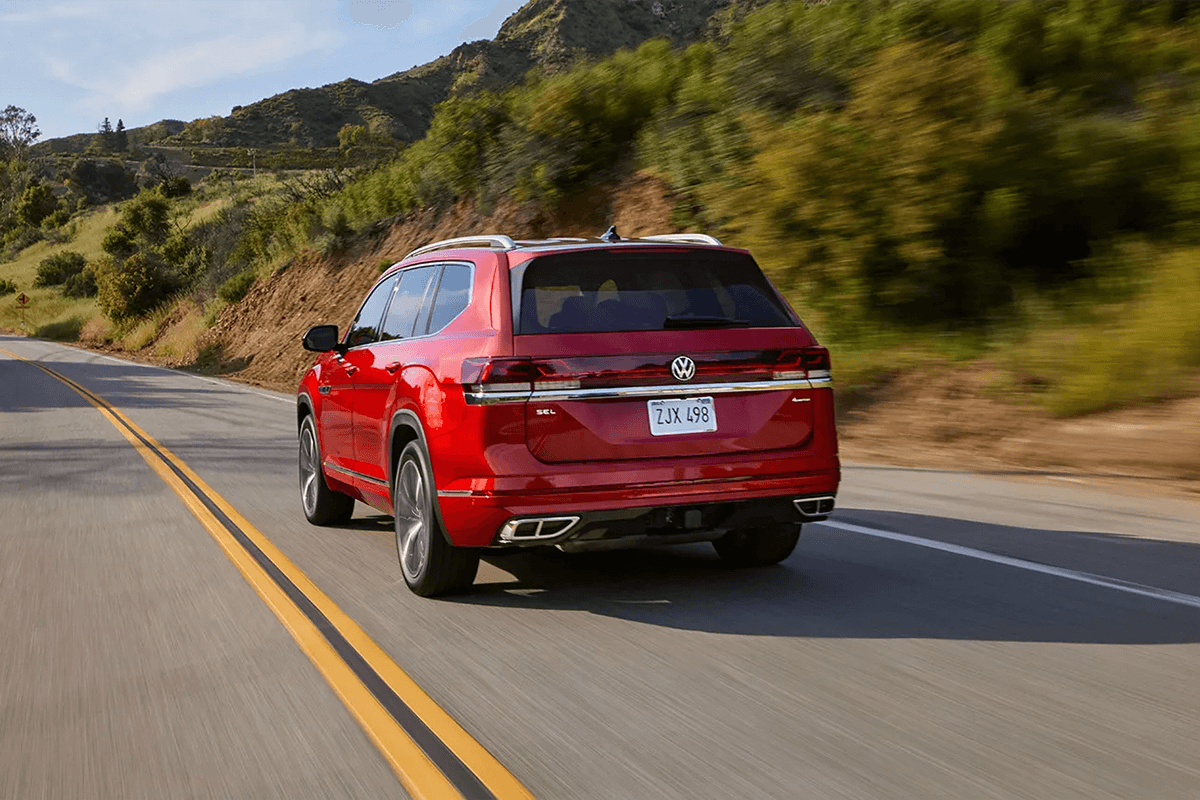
<point x="322" y="505"/>
<point x="430" y="564"/>
<point x="757" y="547"/>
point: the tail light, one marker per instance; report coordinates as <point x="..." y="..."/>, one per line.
<point x="811" y="363"/>
<point x="510" y="378"/>
<point x="484" y="375"/>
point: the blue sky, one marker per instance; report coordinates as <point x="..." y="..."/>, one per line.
<point x="71" y="63"/>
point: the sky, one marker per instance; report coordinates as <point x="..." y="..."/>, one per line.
<point x="71" y="63"/>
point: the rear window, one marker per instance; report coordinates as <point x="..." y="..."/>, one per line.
<point x="606" y="290"/>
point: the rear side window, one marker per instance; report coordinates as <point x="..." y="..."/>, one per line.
<point x="409" y="302"/>
<point x="453" y="295"/>
<point x="607" y="290"/>
<point x="365" y="328"/>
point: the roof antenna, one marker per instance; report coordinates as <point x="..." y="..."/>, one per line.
<point x="611" y="235"/>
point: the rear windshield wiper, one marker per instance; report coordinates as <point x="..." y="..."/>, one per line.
<point x="704" y="322"/>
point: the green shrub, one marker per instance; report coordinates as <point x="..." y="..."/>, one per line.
<point x="81" y="285"/>
<point x="133" y="287"/>
<point x="1142" y="349"/>
<point x="19" y="238"/>
<point x="119" y="242"/>
<point x="57" y="269"/>
<point x="35" y="204"/>
<point x="177" y="186"/>
<point x="60" y="217"/>
<point x="7" y="287"/>
<point x="235" y="288"/>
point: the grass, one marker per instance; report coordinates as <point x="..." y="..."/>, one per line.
<point x="1145" y="349"/>
<point x="181" y="337"/>
<point x="47" y="306"/>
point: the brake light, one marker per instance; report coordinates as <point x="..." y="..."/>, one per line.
<point x="811" y="363"/>
<point x="514" y="375"/>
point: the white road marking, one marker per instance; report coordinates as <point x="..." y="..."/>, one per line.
<point x="1141" y="590"/>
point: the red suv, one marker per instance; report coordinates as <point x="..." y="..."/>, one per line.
<point x="580" y="393"/>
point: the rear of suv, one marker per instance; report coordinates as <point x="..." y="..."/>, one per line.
<point x="575" y="393"/>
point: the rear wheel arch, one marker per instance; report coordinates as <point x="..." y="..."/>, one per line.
<point x="406" y="427"/>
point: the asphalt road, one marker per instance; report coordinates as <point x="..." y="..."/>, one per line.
<point x="1049" y="649"/>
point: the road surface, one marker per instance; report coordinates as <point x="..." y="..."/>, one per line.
<point x="947" y="635"/>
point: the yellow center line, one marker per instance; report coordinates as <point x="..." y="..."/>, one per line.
<point x="420" y="776"/>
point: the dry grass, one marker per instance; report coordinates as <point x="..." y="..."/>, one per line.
<point x="143" y="332"/>
<point x="179" y="340"/>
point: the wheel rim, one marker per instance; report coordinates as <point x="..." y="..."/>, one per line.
<point x="412" y="520"/>
<point x="309" y="470"/>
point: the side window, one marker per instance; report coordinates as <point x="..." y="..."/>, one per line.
<point x="453" y="295"/>
<point x="365" y="328"/>
<point x="409" y="302"/>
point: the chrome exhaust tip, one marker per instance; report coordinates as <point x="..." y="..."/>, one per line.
<point x="814" y="507"/>
<point x="535" y="529"/>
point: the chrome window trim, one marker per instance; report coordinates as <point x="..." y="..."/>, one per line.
<point x="624" y="392"/>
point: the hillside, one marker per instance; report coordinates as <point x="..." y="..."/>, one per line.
<point x="885" y="162"/>
<point x="546" y="34"/>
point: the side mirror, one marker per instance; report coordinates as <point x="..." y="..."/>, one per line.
<point x="321" y="338"/>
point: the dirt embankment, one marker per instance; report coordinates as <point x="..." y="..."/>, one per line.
<point x="951" y="416"/>
<point x="259" y="338"/>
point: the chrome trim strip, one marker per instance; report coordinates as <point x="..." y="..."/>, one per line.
<point x="821" y="383"/>
<point x="454" y="493"/>
<point x="671" y="390"/>
<point x="358" y="475"/>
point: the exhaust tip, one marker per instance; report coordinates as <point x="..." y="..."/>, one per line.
<point x="814" y="507"/>
<point x="535" y="529"/>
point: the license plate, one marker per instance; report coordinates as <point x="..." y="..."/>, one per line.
<point x="687" y="415"/>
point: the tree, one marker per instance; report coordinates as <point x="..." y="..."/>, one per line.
<point x="107" y="136"/>
<point x="35" y="204"/>
<point x="120" y="138"/>
<point x="18" y="130"/>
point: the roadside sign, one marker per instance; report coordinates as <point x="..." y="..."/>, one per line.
<point x="22" y="300"/>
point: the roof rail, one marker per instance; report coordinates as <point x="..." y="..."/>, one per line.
<point x="689" y="238"/>
<point x="492" y="240"/>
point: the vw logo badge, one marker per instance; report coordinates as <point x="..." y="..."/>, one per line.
<point x="683" y="368"/>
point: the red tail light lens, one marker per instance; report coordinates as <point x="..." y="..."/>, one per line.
<point x="515" y="375"/>
<point x="811" y="363"/>
<point x="498" y="374"/>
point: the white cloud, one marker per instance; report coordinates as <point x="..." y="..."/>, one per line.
<point x="381" y="14"/>
<point x="487" y="27"/>
<point x="139" y="51"/>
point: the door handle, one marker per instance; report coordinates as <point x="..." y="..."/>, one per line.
<point x="392" y="367"/>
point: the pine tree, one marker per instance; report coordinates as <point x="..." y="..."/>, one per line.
<point x="106" y="136"/>
<point x="120" y="137"/>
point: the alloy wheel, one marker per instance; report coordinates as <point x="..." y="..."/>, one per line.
<point x="309" y="471"/>
<point x="412" y="520"/>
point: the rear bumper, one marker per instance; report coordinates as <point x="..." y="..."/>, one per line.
<point x="478" y="519"/>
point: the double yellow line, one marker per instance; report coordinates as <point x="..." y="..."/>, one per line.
<point x="431" y="753"/>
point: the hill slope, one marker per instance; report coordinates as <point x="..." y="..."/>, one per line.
<point x="546" y="34"/>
